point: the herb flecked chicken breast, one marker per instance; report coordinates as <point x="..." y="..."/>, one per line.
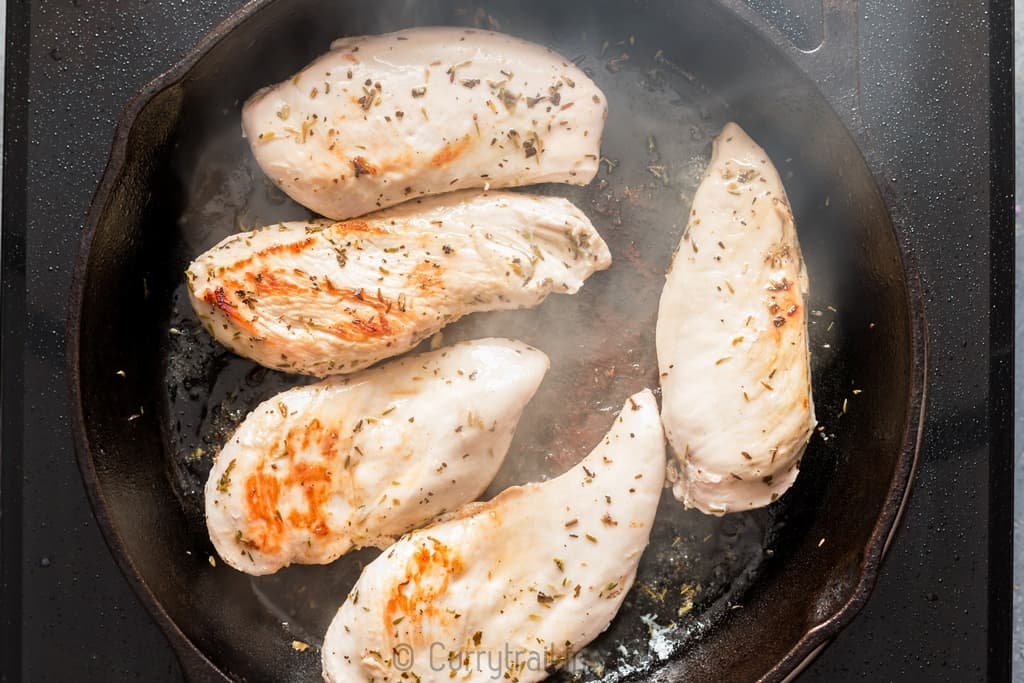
<point x="379" y="120"/>
<point x="357" y="461"/>
<point x="505" y="590"/>
<point x="324" y="298"/>
<point x="732" y="337"/>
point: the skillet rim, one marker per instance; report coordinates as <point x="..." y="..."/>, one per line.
<point x="196" y="664"/>
<point x="188" y="654"/>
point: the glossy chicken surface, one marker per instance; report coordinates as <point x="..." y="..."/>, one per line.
<point x="732" y="338"/>
<point x="357" y="461"/>
<point x="503" y="590"/>
<point x="323" y="298"/>
<point x="380" y="120"/>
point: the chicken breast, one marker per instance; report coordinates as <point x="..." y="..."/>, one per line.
<point x="505" y="589"/>
<point x="382" y="119"/>
<point x="732" y="337"/>
<point x="357" y="461"/>
<point x="327" y="298"/>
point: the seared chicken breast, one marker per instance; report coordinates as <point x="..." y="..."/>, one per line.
<point x="325" y="298"/>
<point x="357" y="461"/>
<point x="379" y="120"/>
<point x="732" y="337"/>
<point x="505" y="589"/>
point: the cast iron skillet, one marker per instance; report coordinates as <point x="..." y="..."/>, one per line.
<point x="748" y="597"/>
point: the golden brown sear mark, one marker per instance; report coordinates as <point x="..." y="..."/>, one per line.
<point x="363" y="167"/>
<point x="427" y="575"/>
<point x="222" y="301"/>
<point x="266" y="528"/>
<point x="450" y="152"/>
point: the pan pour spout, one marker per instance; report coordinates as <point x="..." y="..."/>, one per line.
<point x="510" y="589"/>
<point x="731" y="338"/>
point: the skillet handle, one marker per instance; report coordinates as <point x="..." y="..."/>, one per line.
<point x="834" y="65"/>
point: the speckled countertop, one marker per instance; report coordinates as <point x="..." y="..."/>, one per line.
<point x="1018" y="423"/>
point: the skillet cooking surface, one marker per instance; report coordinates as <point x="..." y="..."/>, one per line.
<point x="601" y="344"/>
<point x="670" y="87"/>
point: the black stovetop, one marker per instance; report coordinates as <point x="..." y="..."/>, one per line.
<point x="934" y="118"/>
